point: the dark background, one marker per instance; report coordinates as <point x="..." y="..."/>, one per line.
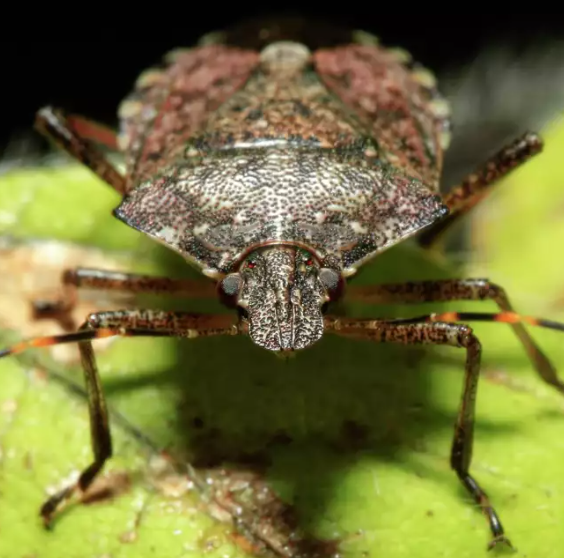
<point x="94" y="64"/>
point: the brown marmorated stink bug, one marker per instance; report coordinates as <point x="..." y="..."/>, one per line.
<point x="278" y="165"/>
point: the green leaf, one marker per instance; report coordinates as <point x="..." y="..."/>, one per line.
<point x="347" y="442"/>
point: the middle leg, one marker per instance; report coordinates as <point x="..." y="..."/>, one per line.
<point x="440" y="333"/>
<point x="104" y="280"/>
<point x="459" y="289"/>
<point x="127" y="323"/>
<point x="461" y="199"/>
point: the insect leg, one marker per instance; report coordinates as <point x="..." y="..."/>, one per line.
<point x="77" y="136"/>
<point x="455" y="335"/>
<point x="134" y="323"/>
<point x="462" y="198"/>
<point x="460" y="289"/>
<point x="93" y="131"/>
<point x="100" y="279"/>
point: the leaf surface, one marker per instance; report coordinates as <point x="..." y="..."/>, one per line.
<point x="348" y="442"/>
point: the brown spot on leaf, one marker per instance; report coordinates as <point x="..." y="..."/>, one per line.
<point x="266" y="523"/>
<point x="9" y="406"/>
<point x="128" y="537"/>
<point x="246" y="545"/>
<point x="502" y="378"/>
<point x="107" y="487"/>
<point x="354" y="436"/>
<point x="280" y="438"/>
<point x="32" y="271"/>
<point x="559" y="302"/>
<point x="28" y="461"/>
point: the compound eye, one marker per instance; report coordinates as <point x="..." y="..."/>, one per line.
<point x="332" y="281"/>
<point x="330" y="278"/>
<point x="251" y="264"/>
<point x="231" y="284"/>
<point x="229" y="288"/>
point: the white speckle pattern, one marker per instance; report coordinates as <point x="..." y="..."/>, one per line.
<point x="337" y="208"/>
<point x="168" y="235"/>
<point x="199" y="230"/>
<point x="358" y="228"/>
<point x="320" y="217"/>
<point x="235" y="200"/>
<point x="336" y="151"/>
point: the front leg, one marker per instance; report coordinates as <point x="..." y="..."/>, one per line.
<point x="104" y="280"/>
<point x="459" y="289"/>
<point x="462" y="198"/>
<point x="456" y="335"/>
<point x="126" y="323"/>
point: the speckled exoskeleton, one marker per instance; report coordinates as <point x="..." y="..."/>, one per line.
<point x="278" y="164"/>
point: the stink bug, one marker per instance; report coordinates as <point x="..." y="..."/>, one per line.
<point x="278" y="165"/>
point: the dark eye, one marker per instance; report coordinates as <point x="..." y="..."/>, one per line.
<point x="229" y="288"/>
<point x="332" y="281"/>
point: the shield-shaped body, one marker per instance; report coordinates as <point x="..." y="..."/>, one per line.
<point x="326" y="155"/>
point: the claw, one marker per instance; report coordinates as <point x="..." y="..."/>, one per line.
<point x="500" y="540"/>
